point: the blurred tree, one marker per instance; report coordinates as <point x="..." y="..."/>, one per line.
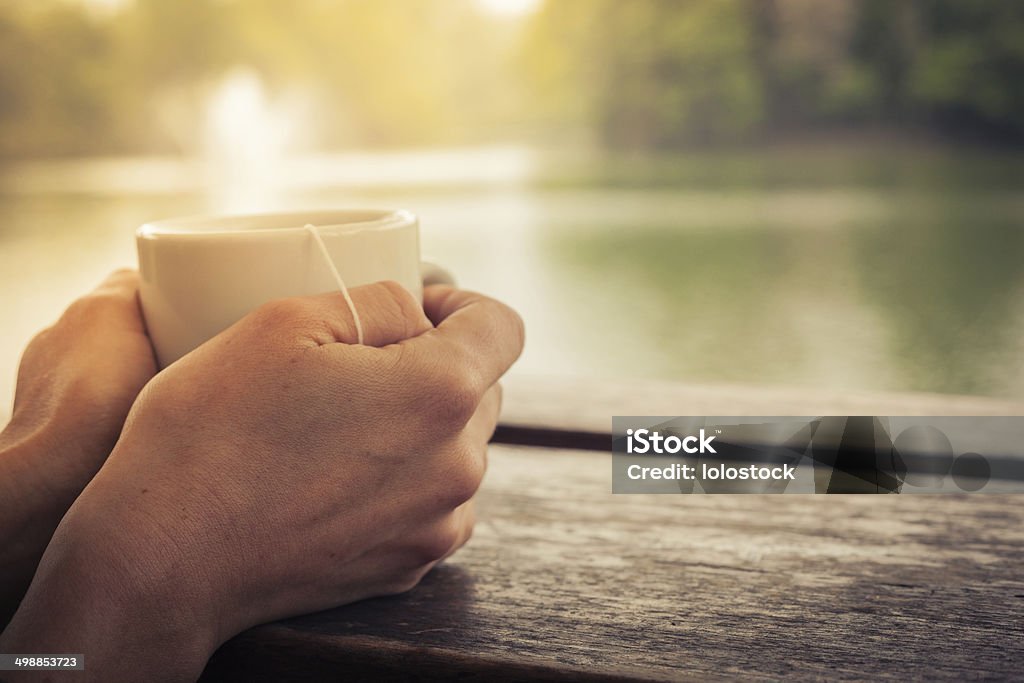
<point x="800" y="53"/>
<point x="636" y="74"/>
<point x="54" y="86"/>
<point x="651" y="74"/>
<point x="385" y="72"/>
<point x="884" y="44"/>
<point x="970" y="66"/>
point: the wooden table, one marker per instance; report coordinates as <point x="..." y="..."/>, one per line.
<point x="563" y="581"/>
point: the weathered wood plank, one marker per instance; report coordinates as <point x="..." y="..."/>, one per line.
<point x="586" y="405"/>
<point x="564" y="581"/>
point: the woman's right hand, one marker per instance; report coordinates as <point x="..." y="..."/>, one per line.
<point x="278" y="469"/>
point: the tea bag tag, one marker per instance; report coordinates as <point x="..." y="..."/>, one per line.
<point x="315" y="232"/>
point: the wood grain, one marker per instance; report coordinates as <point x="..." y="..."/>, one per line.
<point x="564" y="581"/>
<point x="587" y="405"/>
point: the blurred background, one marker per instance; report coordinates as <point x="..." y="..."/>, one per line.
<point x="781" y="192"/>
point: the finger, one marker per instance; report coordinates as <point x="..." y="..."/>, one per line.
<point x="465" y="518"/>
<point x="476" y="335"/>
<point x="391" y="568"/>
<point x="481" y="426"/>
<point x="113" y="305"/>
<point x="123" y="283"/>
<point x="388" y="313"/>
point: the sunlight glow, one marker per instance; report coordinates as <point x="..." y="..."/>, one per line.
<point x="509" y="8"/>
<point x="246" y="139"/>
<point x="105" y="5"/>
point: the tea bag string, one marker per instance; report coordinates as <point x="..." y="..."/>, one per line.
<point x="315" y="232"/>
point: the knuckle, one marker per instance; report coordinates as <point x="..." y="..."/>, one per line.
<point x="462" y="469"/>
<point x="405" y="581"/>
<point x="282" y="322"/>
<point x="458" y="397"/>
<point x="465" y="479"/>
<point x="103" y="304"/>
<point x="88" y="303"/>
<point x="86" y="390"/>
<point x="279" y="312"/>
<point x="395" y="300"/>
<point x="460" y="489"/>
<point x="443" y="397"/>
<point x="87" y="309"/>
<point x="123" y="274"/>
<point x="509" y="325"/>
<point x="42" y="337"/>
<point x="397" y="294"/>
<point x="517" y="324"/>
<point x="438" y="542"/>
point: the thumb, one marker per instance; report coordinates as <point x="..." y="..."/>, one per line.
<point x="388" y="314"/>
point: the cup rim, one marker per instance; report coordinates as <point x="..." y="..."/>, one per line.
<point x="331" y="221"/>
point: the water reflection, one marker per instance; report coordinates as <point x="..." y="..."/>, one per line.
<point x="922" y="293"/>
<point x="747" y="305"/>
<point x="949" y="284"/>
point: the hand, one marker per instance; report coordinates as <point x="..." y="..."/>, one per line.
<point x="76" y="383"/>
<point x="278" y="469"/>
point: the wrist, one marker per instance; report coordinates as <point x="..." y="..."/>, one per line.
<point x="30" y="509"/>
<point x="54" y="451"/>
<point x="26" y="452"/>
<point x="43" y="469"/>
<point x="131" y="618"/>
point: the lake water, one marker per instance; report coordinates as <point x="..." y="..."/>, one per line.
<point x="849" y="283"/>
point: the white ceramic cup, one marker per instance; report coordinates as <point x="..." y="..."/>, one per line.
<point x="201" y="274"/>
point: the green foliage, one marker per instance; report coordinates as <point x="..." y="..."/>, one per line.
<point x="635" y="70"/>
<point x="648" y="74"/>
<point x="970" y="68"/>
